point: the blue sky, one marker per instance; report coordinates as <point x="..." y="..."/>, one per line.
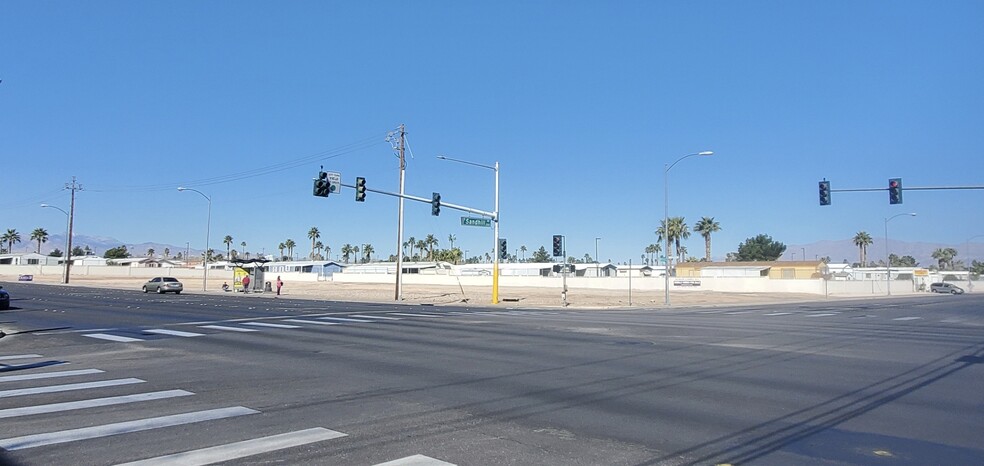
<point x="581" y="103"/>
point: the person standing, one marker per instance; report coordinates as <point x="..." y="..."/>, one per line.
<point x="280" y="283"/>
<point x="246" y="284"/>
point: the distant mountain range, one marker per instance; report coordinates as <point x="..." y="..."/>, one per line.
<point x="838" y="250"/>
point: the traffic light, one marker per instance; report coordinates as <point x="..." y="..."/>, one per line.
<point x="895" y="190"/>
<point x="436" y="204"/>
<point x="824" y="193"/>
<point x="503" y="252"/>
<point x="360" y="189"/>
<point x="321" y="185"/>
<point x="558" y="245"/>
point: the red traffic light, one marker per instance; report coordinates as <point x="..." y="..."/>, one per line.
<point x="893" y="183"/>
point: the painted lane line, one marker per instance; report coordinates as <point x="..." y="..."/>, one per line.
<point x="778" y="314"/>
<point x="48" y="375"/>
<point x="237" y="450"/>
<point x="267" y="324"/>
<point x="86" y="433"/>
<point x="67" y="387"/>
<point x="315" y="322"/>
<point x="407" y="314"/>
<point x="376" y="317"/>
<point x="229" y="329"/>
<point x="106" y="336"/>
<point x="96" y="402"/>
<point x="343" y="319"/>
<point x="826" y="314"/>
<point x="908" y="318"/>
<point x="20" y="356"/>
<point x="176" y="333"/>
<point x="416" y="460"/>
<point x="738" y="312"/>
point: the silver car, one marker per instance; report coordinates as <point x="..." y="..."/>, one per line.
<point x="945" y="288"/>
<point x="163" y="285"/>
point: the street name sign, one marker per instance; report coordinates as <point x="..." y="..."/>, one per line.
<point x="476" y="222"/>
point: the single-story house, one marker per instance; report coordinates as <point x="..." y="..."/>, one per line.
<point x="775" y="270"/>
<point x="31" y="258"/>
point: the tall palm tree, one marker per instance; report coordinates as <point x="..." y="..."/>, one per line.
<point x="523" y="250"/>
<point x="245" y="254"/>
<point x="705" y="226"/>
<point x="367" y="250"/>
<point x="413" y="243"/>
<point x="281" y="247"/>
<point x="346" y="252"/>
<point x="421" y="246"/>
<point x="944" y="257"/>
<point x="10" y="237"/>
<point x="290" y="247"/>
<point x="653" y="249"/>
<point x="431" y="241"/>
<point x="313" y="235"/>
<point x="318" y="247"/>
<point x="41" y="236"/>
<point x="451" y="240"/>
<point x="682" y="232"/>
<point x="862" y="240"/>
<point x="355" y="250"/>
<point x="150" y="252"/>
<point x="228" y="242"/>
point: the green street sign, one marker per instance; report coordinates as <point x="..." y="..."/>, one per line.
<point x="476" y="222"/>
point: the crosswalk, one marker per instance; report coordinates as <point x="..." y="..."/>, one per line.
<point x="199" y="329"/>
<point x="810" y="314"/>
<point x="29" y="381"/>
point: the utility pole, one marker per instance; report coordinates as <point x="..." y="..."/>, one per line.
<point x="400" y="147"/>
<point x="73" y="186"/>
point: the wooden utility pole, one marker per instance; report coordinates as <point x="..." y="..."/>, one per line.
<point x="73" y="186"/>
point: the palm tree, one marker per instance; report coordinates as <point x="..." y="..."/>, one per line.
<point x="431" y="242"/>
<point x="862" y="239"/>
<point x="41" y="236"/>
<point x="451" y="240"/>
<point x="10" y="237"/>
<point x="421" y="245"/>
<point x="281" y="247"/>
<point x="678" y="225"/>
<point x="313" y="235"/>
<point x="355" y="250"/>
<point x="318" y="247"/>
<point x="367" y="250"/>
<point x="167" y="252"/>
<point x="523" y="250"/>
<point x="228" y="242"/>
<point x="346" y="252"/>
<point x="150" y="252"/>
<point x="413" y="243"/>
<point x="705" y="226"/>
<point x="944" y="257"/>
<point x="245" y="254"/>
<point x="653" y="249"/>
<point x="290" y="247"/>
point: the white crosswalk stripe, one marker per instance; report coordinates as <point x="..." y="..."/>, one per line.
<point x="68" y="387"/>
<point x="313" y="322"/>
<point x="106" y="336"/>
<point x="407" y="314"/>
<point x="20" y="356"/>
<point x="175" y="333"/>
<point x="48" y="375"/>
<point x="242" y="449"/>
<point x="778" y="314"/>
<point x="92" y="403"/>
<point x="824" y="314"/>
<point x="270" y="325"/>
<point x="375" y="317"/>
<point x="908" y="318"/>
<point x="343" y="319"/>
<point x="416" y="460"/>
<point x="229" y="329"/>
<point x="85" y="433"/>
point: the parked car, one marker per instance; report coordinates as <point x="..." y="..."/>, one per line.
<point x="4" y="299"/>
<point x="945" y="288"/>
<point x="163" y="285"/>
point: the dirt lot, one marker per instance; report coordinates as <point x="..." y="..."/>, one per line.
<point x="480" y="296"/>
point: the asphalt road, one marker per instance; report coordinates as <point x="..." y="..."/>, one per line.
<point x="122" y="376"/>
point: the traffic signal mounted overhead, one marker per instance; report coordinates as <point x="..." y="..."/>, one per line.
<point x="360" y="189"/>
<point x="895" y="190"/>
<point x="436" y="204"/>
<point x="503" y="252"/>
<point x="558" y="245"/>
<point x="824" y="193"/>
<point x="321" y="185"/>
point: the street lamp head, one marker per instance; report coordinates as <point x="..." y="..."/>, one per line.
<point x="912" y="214"/>
<point x="45" y="205"/>
<point x="181" y="188"/>
<point x="706" y="152"/>
<point x="442" y="157"/>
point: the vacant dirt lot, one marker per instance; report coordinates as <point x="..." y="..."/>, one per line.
<point x="481" y="296"/>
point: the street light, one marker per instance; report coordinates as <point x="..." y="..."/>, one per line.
<point x="495" y="223"/>
<point x="208" y="226"/>
<point x="666" y="219"/>
<point x="68" y="240"/>
<point x="597" y="261"/>
<point x="888" y="262"/>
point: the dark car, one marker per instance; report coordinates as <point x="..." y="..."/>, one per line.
<point x="945" y="288"/>
<point x="163" y="285"/>
<point x="4" y="299"/>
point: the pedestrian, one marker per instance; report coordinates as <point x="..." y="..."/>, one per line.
<point x="246" y="284"/>
<point x="280" y="283"/>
